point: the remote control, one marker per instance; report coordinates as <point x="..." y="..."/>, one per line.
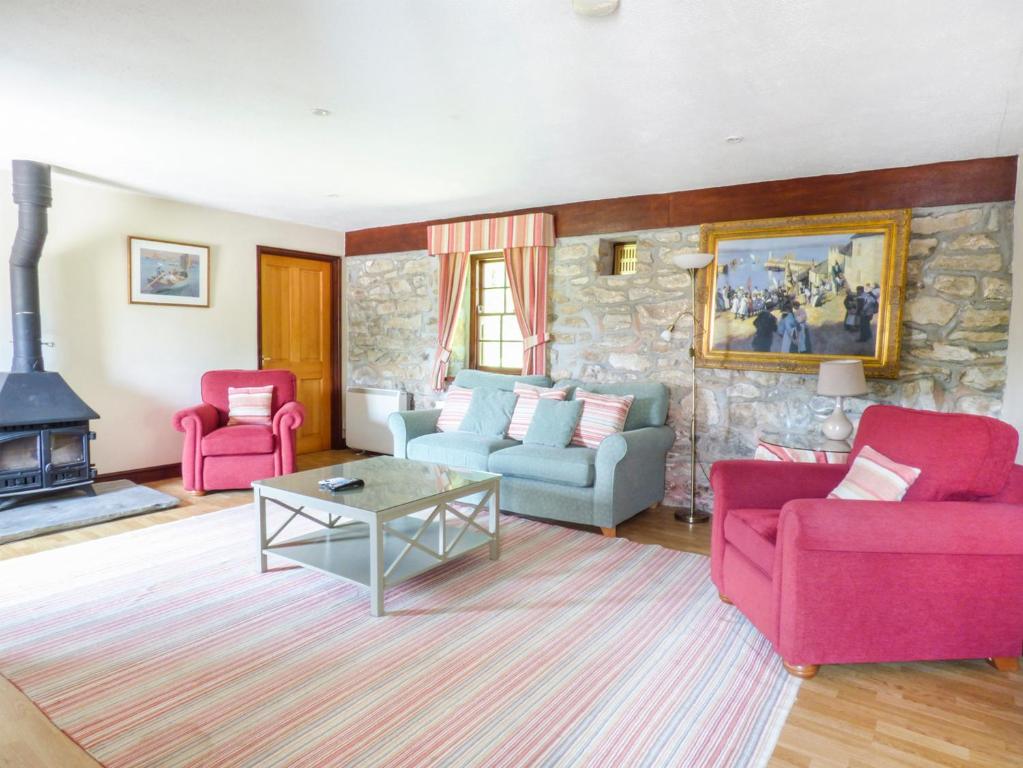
<point x="341" y="483"/>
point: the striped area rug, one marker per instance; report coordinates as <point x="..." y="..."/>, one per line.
<point x="166" y="647"/>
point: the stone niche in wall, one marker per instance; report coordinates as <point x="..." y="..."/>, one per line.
<point x="607" y="328"/>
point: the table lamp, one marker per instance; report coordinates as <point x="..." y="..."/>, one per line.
<point x="838" y="379"/>
<point x="692" y="262"/>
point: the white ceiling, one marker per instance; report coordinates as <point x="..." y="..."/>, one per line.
<point x="448" y="107"/>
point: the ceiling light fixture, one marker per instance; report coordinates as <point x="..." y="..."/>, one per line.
<point x="733" y="139"/>
<point x="595" y="7"/>
<point x="321" y="112"/>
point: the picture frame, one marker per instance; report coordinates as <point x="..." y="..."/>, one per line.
<point x="786" y="294"/>
<point x="168" y="273"/>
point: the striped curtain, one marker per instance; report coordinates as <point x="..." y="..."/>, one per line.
<point x="523" y="230"/>
<point x="451" y="285"/>
<point x="527" y="277"/>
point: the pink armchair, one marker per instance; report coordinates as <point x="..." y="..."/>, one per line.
<point x="935" y="576"/>
<point x="217" y="457"/>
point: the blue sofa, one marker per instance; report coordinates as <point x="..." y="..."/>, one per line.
<point x="601" y="487"/>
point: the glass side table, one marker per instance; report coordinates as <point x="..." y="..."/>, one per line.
<point x="801" y="446"/>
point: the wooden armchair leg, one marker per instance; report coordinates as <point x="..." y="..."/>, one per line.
<point x="803" y="671"/>
<point x="609" y="532"/>
<point x="1005" y="663"/>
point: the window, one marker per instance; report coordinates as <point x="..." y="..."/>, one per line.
<point x="495" y="341"/>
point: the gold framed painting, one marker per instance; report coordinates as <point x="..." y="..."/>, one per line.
<point x="786" y="294"/>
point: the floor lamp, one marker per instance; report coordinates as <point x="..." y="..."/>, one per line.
<point x="693" y="263"/>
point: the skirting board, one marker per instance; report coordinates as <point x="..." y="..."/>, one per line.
<point x="144" y="474"/>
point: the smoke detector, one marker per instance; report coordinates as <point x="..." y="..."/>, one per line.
<point x="595" y="7"/>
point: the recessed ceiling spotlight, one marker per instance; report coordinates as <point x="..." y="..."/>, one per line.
<point x="734" y="139"/>
<point x="595" y="7"/>
<point x="321" y="112"/>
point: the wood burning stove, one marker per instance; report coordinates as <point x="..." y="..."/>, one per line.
<point x="44" y="425"/>
<point x="36" y="458"/>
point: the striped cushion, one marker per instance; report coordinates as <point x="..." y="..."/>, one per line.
<point x="603" y="415"/>
<point x="875" y="477"/>
<point x="455" y="406"/>
<point x="771" y="452"/>
<point x="525" y="407"/>
<point x="249" y="405"/>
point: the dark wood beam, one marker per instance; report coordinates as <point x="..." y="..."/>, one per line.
<point x="984" y="180"/>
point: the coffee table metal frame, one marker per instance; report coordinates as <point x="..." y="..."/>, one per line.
<point x="358" y="532"/>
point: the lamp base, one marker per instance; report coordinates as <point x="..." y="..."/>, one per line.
<point x="837" y="426"/>
<point x="691" y="517"/>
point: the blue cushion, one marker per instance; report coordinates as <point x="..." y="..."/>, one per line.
<point x="490" y="412"/>
<point x="553" y="423"/>
<point x="649" y="409"/>
<point x="506" y="381"/>
<point x="457" y="449"/>
<point x="564" y="466"/>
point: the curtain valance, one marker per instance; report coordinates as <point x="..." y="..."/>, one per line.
<point x="524" y="230"/>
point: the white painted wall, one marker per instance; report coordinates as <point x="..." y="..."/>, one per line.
<point x="137" y="364"/>
<point x="1013" y="405"/>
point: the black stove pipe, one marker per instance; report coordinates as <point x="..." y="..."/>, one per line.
<point x="33" y="196"/>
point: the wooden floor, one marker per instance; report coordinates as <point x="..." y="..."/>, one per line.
<point x="862" y="716"/>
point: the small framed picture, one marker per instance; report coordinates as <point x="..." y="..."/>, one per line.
<point x="162" y="272"/>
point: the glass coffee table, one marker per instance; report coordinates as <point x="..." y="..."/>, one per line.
<point x="370" y="535"/>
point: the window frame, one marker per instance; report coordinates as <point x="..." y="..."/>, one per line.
<point x="476" y="266"/>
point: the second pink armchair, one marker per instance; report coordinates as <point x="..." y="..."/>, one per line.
<point x="934" y="576"/>
<point x="218" y="457"/>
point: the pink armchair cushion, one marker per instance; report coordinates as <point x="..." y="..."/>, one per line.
<point x="215" y="384"/>
<point x="237" y="440"/>
<point x="753" y="532"/>
<point x="960" y="456"/>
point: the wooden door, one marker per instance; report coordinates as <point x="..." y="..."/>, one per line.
<point x="297" y="313"/>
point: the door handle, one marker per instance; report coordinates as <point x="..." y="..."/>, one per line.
<point x="266" y="358"/>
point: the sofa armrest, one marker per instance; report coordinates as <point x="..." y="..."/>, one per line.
<point x="408" y="425"/>
<point x="770" y="484"/>
<point x="629" y="470"/>
<point x="286" y="421"/>
<point x="861" y="581"/>
<point x="746" y="483"/>
<point x="199" y="419"/>
<point x="904" y="527"/>
<point x="289" y="418"/>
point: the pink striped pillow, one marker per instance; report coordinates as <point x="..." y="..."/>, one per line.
<point x="875" y="477"/>
<point x="455" y="406"/>
<point x="602" y="416"/>
<point x="529" y="395"/>
<point x="249" y="405"/>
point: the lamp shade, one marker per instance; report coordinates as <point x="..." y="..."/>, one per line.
<point x="841" y="378"/>
<point x="693" y="260"/>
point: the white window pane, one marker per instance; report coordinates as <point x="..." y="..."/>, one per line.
<point x="493" y="274"/>
<point x="493" y="301"/>
<point x="490" y="354"/>
<point x="511" y="328"/>
<point x="511" y="355"/>
<point x="490" y="328"/>
<point x="509" y="305"/>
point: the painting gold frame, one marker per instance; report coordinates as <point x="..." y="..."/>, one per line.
<point x="893" y="224"/>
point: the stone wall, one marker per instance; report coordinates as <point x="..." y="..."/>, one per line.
<point x="607" y="328"/>
<point x="390" y="308"/>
